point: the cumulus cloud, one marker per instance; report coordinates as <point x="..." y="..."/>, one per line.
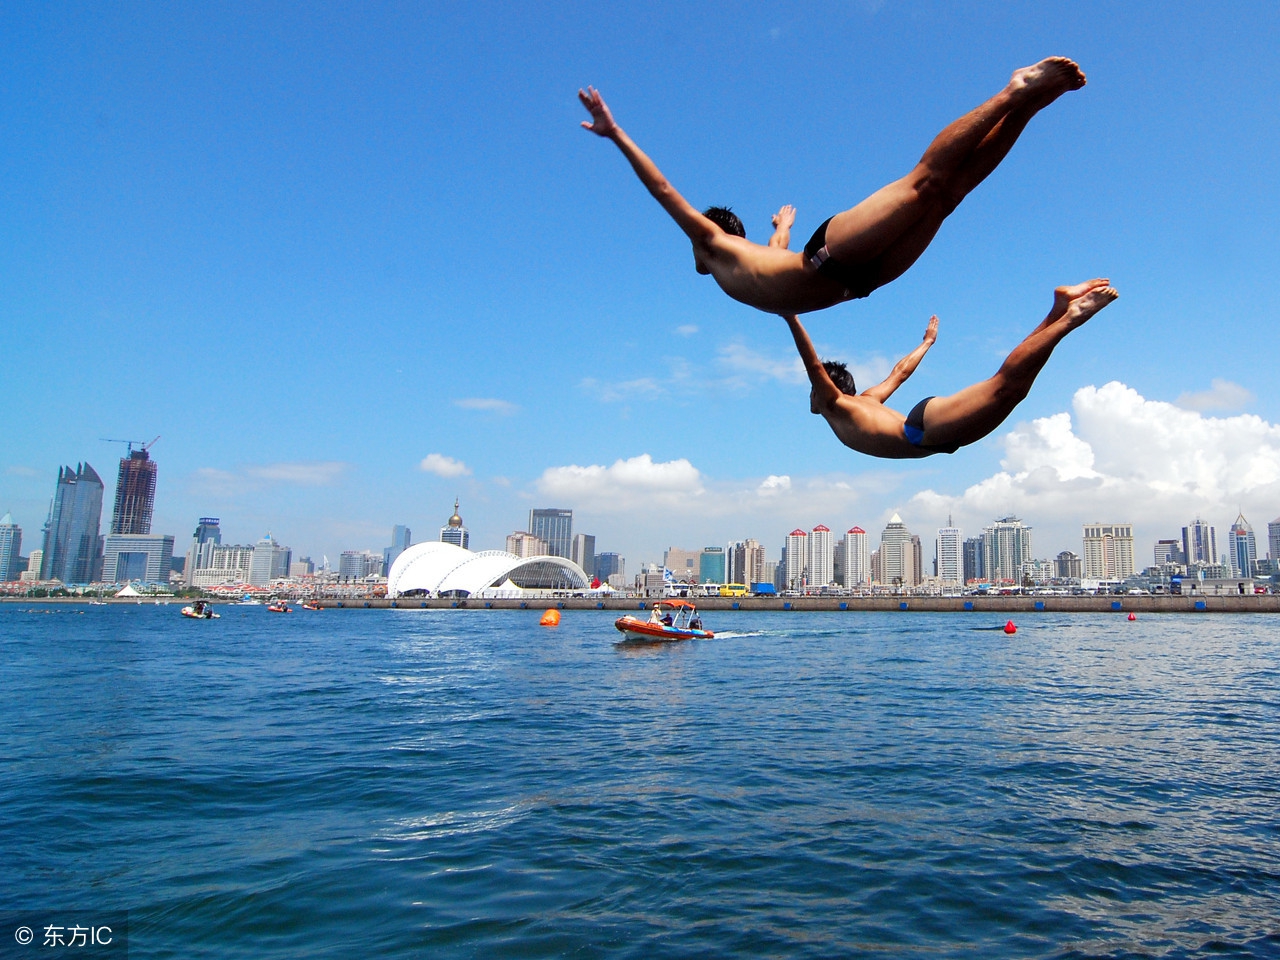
<point x="487" y="405"/>
<point x="1122" y="458"/>
<point x="742" y="360"/>
<point x="443" y="466"/>
<point x="1221" y="395"/>
<point x="772" y="485"/>
<point x="627" y="483"/>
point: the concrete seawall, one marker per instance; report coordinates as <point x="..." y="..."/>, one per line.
<point x="1269" y="603"/>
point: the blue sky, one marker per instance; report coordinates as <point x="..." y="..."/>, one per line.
<point x="312" y="247"/>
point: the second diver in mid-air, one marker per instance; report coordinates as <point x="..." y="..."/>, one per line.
<point x="871" y="244"/>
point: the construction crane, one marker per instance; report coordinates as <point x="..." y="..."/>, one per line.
<point x="130" y="443"/>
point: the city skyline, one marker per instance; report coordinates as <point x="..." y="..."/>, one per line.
<point x="171" y="226"/>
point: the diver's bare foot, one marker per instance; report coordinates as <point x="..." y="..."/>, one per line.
<point x="1062" y="296"/>
<point x="1084" y="307"/>
<point x="1047" y="80"/>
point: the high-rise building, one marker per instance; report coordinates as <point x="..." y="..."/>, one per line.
<point x="1199" y="543"/>
<point x="899" y="556"/>
<point x="359" y="564"/>
<point x="857" y="558"/>
<point x="973" y="566"/>
<point x="302" y="567"/>
<point x="949" y="553"/>
<point x="711" y="565"/>
<point x="270" y="561"/>
<point x="32" y="573"/>
<point x="795" y="555"/>
<point x="1168" y="552"/>
<point x="608" y="564"/>
<point x="1108" y="551"/>
<point x="72" y="544"/>
<point x="137" y="556"/>
<point x="1006" y="545"/>
<point x="1068" y="566"/>
<point x="10" y="548"/>
<point x="1273" y="539"/>
<point x="1242" y="549"/>
<point x="746" y="562"/>
<point x="401" y="540"/>
<point x="584" y="553"/>
<point x="454" y="532"/>
<point x="820" y="557"/>
<point x="524" y="544"/>
<point x="227" y="564"/>
<point x="135" y="494"/>
<point x="683" y="564"/>
<point x="555" y="526"/>
<point x="200" y="554"/>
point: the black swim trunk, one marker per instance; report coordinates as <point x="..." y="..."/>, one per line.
<point x="913" y="430"/>
<point x="858" y="280"/>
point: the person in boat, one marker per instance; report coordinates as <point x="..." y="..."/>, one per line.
<point x="870" y="244"/>
<point x="655" y="615"/>
<point x="862" y="422"/>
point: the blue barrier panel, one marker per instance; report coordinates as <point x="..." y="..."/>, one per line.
<point x="394" y="604"/>
<point x="488" y="605"/>
<point x="423" y="604"/>
<point x="599" y="605"/>
<point x="902" y="605"/>
<point x="560" y="604"/>
<point x="968" y="604"/>
<point x="843" y="605"/>
<point x="454" y="604"/>
<point x="341" y="604"/>
<point x="1200" y="605"/>
<point x="366" y="604"/>
<point x="524" y="605"/>
<point x="1039" y="604"/>
<point x="787" y="605"/>
<point x="641" y="607"/>
<point x="735" y="606"/>
<point x="1115" y="604"/>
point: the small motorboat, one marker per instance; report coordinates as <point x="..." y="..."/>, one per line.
<point x="311" y="605"/>
<point x="669" y="620"/>
<point x="278" y="606"/>
<point x="200" y="610"/>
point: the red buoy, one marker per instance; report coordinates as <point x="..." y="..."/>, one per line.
<point x="550" y="619"/>
<point x="1133" y="616"/>
<point x="1009" y="627"/>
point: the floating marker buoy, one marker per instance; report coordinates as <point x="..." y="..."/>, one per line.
<point x="1133" y="616"/>
<point x="550" y="619"/>
<point x="1009" y="627"/>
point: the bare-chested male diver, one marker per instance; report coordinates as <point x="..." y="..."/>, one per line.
<point x="940" y="424"/>
<point x="871" y="244"/>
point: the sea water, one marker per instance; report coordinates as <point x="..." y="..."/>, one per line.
<point x="466" y="783"/>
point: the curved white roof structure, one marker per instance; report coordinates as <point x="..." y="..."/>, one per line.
<point x="442" y="569"/>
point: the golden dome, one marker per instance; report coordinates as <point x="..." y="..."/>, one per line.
<point x="455" y="520"/>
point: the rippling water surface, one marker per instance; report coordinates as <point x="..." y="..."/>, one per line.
<point x="465" y="783"/>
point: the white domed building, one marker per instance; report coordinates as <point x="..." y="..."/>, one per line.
<point x="435" y="569"/>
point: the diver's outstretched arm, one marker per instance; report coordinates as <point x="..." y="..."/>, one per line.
<point x="905" y="367"/>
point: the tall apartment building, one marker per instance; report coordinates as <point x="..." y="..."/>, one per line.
<point x="1108" y="551"/>
<point x="454" y="531"/>
<point x="795" y="556"/>
<point x="1006" y="545"/>
<point x="524" y="544"/>
<point x="683" y="564"/>
<point x="270" y="561"/>
<point x="72" y="544"/>
<point x="135" y="494"/>
<point x="608" y="564"/>
<point x="10" y="549"/>
<point x="228" y="563"/>
<point x="857" y="558"/>
<point x="207" y="536"/>
<point x="555" y="526"/>
<point x="584" y="553"/>
<point x="900" y="561"/>
<point x="401" y="540"/>
<point x="1168" y="552"/>
<point x="1242" y="549"/>
<point x="1068" y="566"/>
<point x="949" y="554"/>
<point x="137" y="556"/>
<point x="973" y="566"/>
<point x="1199" y="543"/>
<point x="746" y="562"/>
<point x="820" y="569"/>
<point x="358" y="564"/>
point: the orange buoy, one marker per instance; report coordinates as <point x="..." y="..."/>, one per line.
<point x="1009" y="627"/>
<point x="1133" y="616"/>
<point x="550" y="619"/>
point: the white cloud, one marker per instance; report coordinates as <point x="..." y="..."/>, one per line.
<point x="642" y="388"/>
<point x="487" y="404"/>
<point x="20" y="471"/>
<point x="319" y="474"/>
<point x="741" y="359"/>
<point x="1222" y="395"/>
<point x="686" y="330"/>
<point x="638" y="482"/>
<point x="772" y="485"/>
<point x="1127" y="459"/>
<point x="443" y="466"/>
